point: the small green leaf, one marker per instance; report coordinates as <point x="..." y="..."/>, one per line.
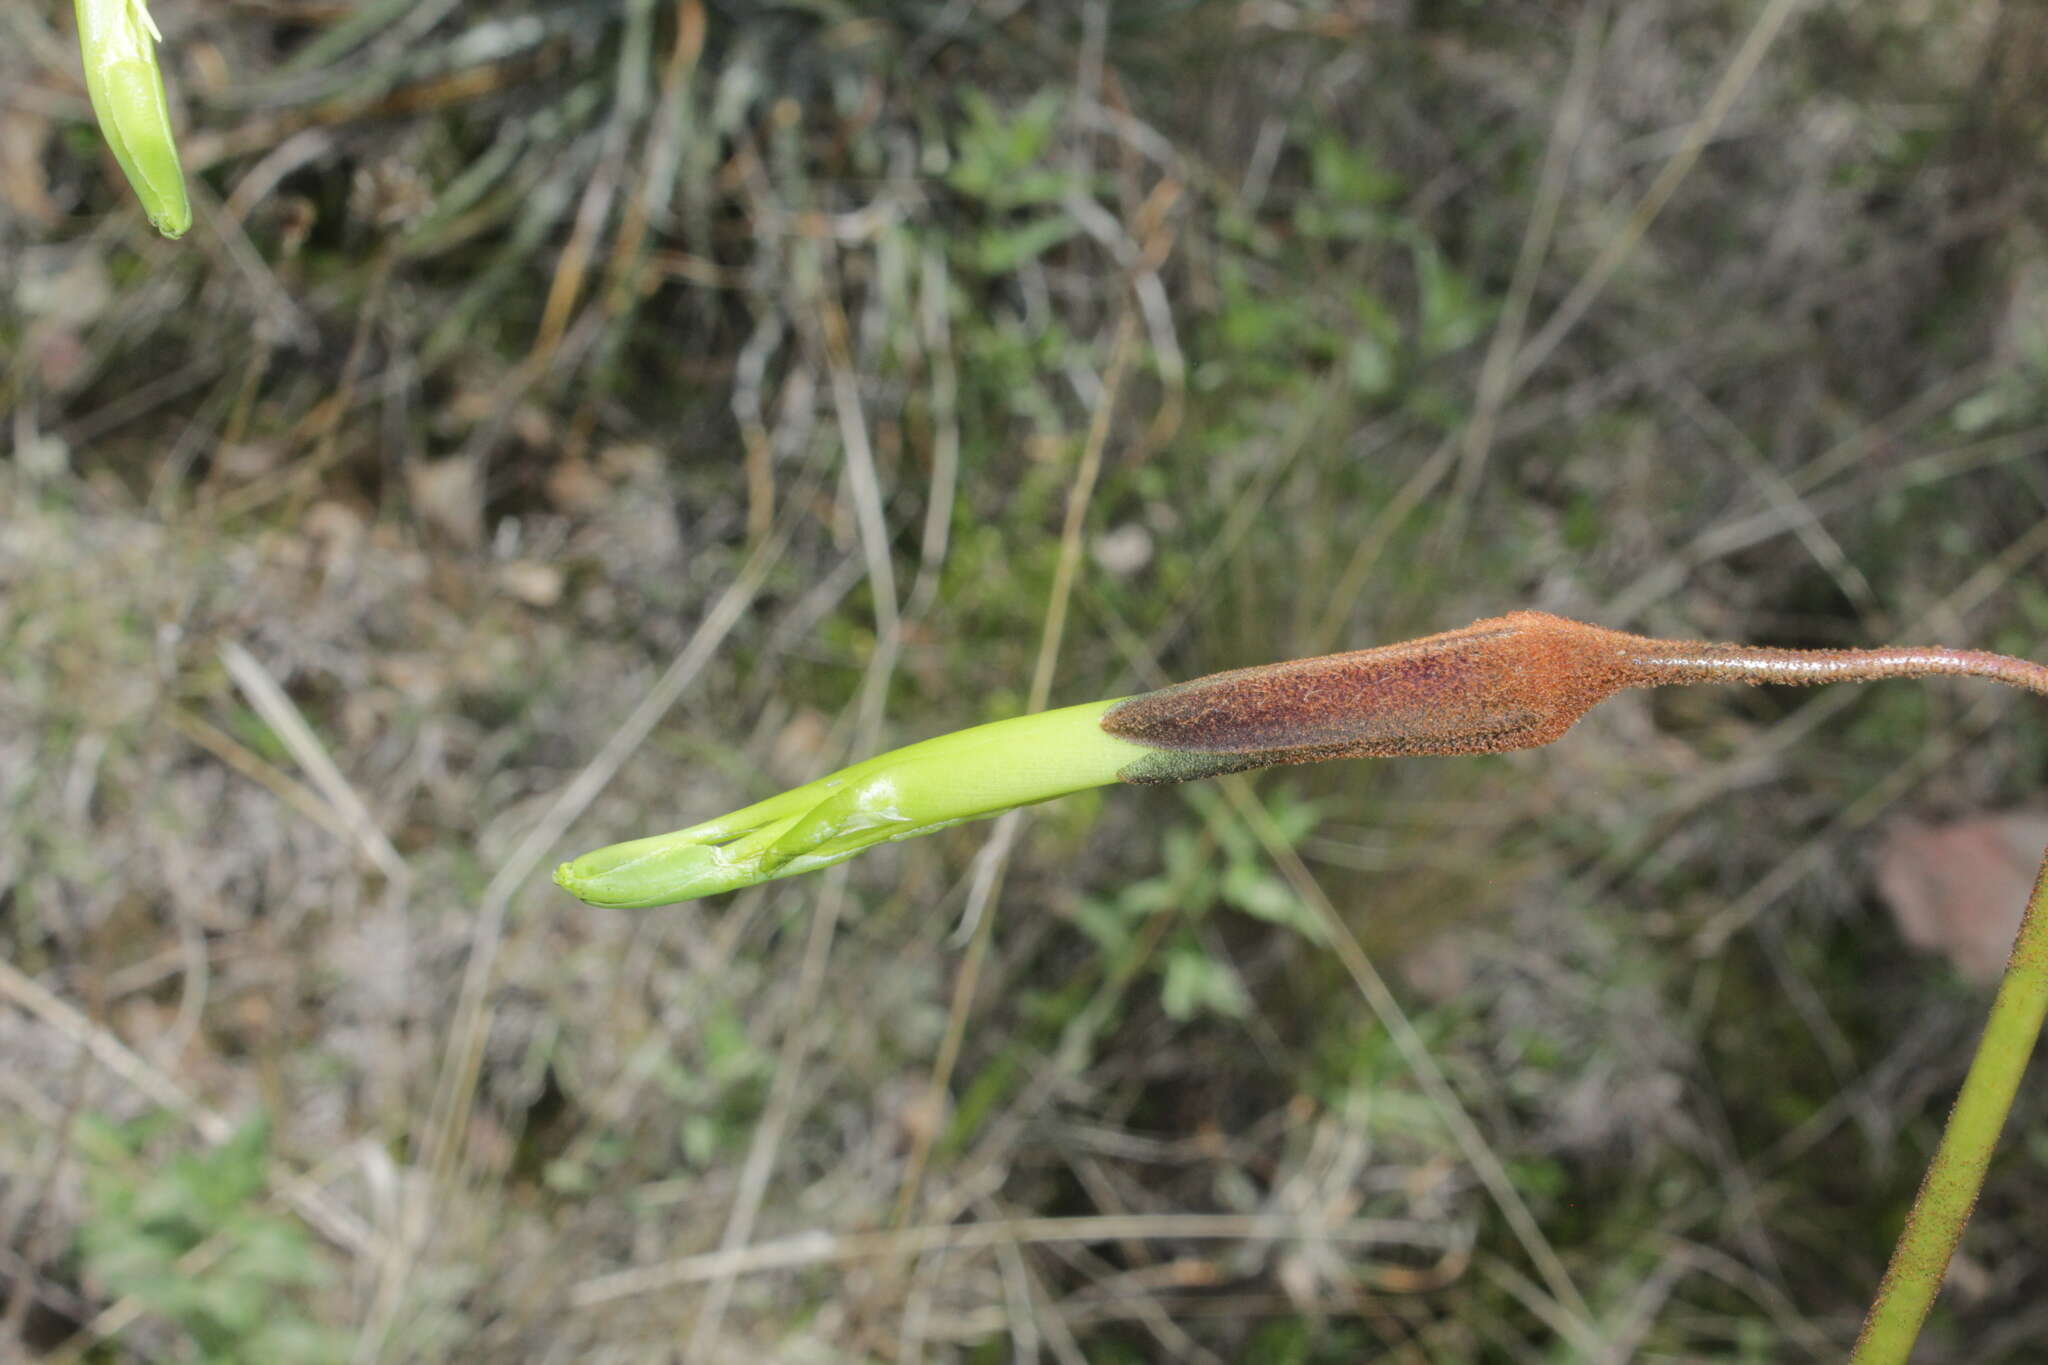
<point x="1263" y="896"/>
<point x="1351" y="174"/>
<point x="1371" y="362"/>
<point x="1197" y="983"/>
<point x="1002" y="251"/>
<point x="1104" y="922"/>
<point x="1453" y="313"/>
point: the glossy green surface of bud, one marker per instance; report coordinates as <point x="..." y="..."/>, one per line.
<point x="117" y="41"/>
<point x="898" y="795"/>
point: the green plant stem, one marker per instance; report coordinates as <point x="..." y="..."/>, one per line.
<point x="1949" y="1190"/>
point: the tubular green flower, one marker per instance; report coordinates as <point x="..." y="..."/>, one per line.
<point x="1510" y="682"/>
<point x="898" y="795"/>
<point x="117" y="40"/>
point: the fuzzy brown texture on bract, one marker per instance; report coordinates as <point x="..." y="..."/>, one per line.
<point x="1508" y="682"/>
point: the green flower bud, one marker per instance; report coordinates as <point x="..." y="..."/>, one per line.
<point x="117" y="40"/>
<point x="898" y="795"/>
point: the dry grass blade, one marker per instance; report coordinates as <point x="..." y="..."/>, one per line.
<point x="291" y="729"/>
<point x="1496" y="374"/>
<point x="869" y="515"/>
<point x="828" y="1248"/>
<point x="265" y="774"/>
<point x="704" y="1342"/>
<point x="935" y="334"/>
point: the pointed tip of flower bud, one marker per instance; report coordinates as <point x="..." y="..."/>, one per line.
<point x="173" y="220"/>
<point x="647" y="872"/>
<point x="117" y="44"/>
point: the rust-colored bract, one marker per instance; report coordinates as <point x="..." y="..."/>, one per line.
<point x="1508" y="682"/>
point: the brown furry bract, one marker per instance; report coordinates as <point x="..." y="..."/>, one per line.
<point x="1507" y="682"/>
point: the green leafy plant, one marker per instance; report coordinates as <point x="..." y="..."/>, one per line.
<point x="1001" y="155"/>
<point x="1511" y="682"/>
<point x="193" y="1241"/>
<point x="1225" y="867"/>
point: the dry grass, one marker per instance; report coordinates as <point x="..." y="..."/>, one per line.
<point x="570" y="420"/>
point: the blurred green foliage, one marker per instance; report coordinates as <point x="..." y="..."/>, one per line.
<point x="195" y="1241"/>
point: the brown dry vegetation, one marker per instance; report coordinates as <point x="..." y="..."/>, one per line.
<point x="569" y="420"/>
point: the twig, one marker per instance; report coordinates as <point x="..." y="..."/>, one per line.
<point x="835" y="1248"/>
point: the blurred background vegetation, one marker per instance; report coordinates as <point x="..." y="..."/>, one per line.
<point x="545" y="374"/>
